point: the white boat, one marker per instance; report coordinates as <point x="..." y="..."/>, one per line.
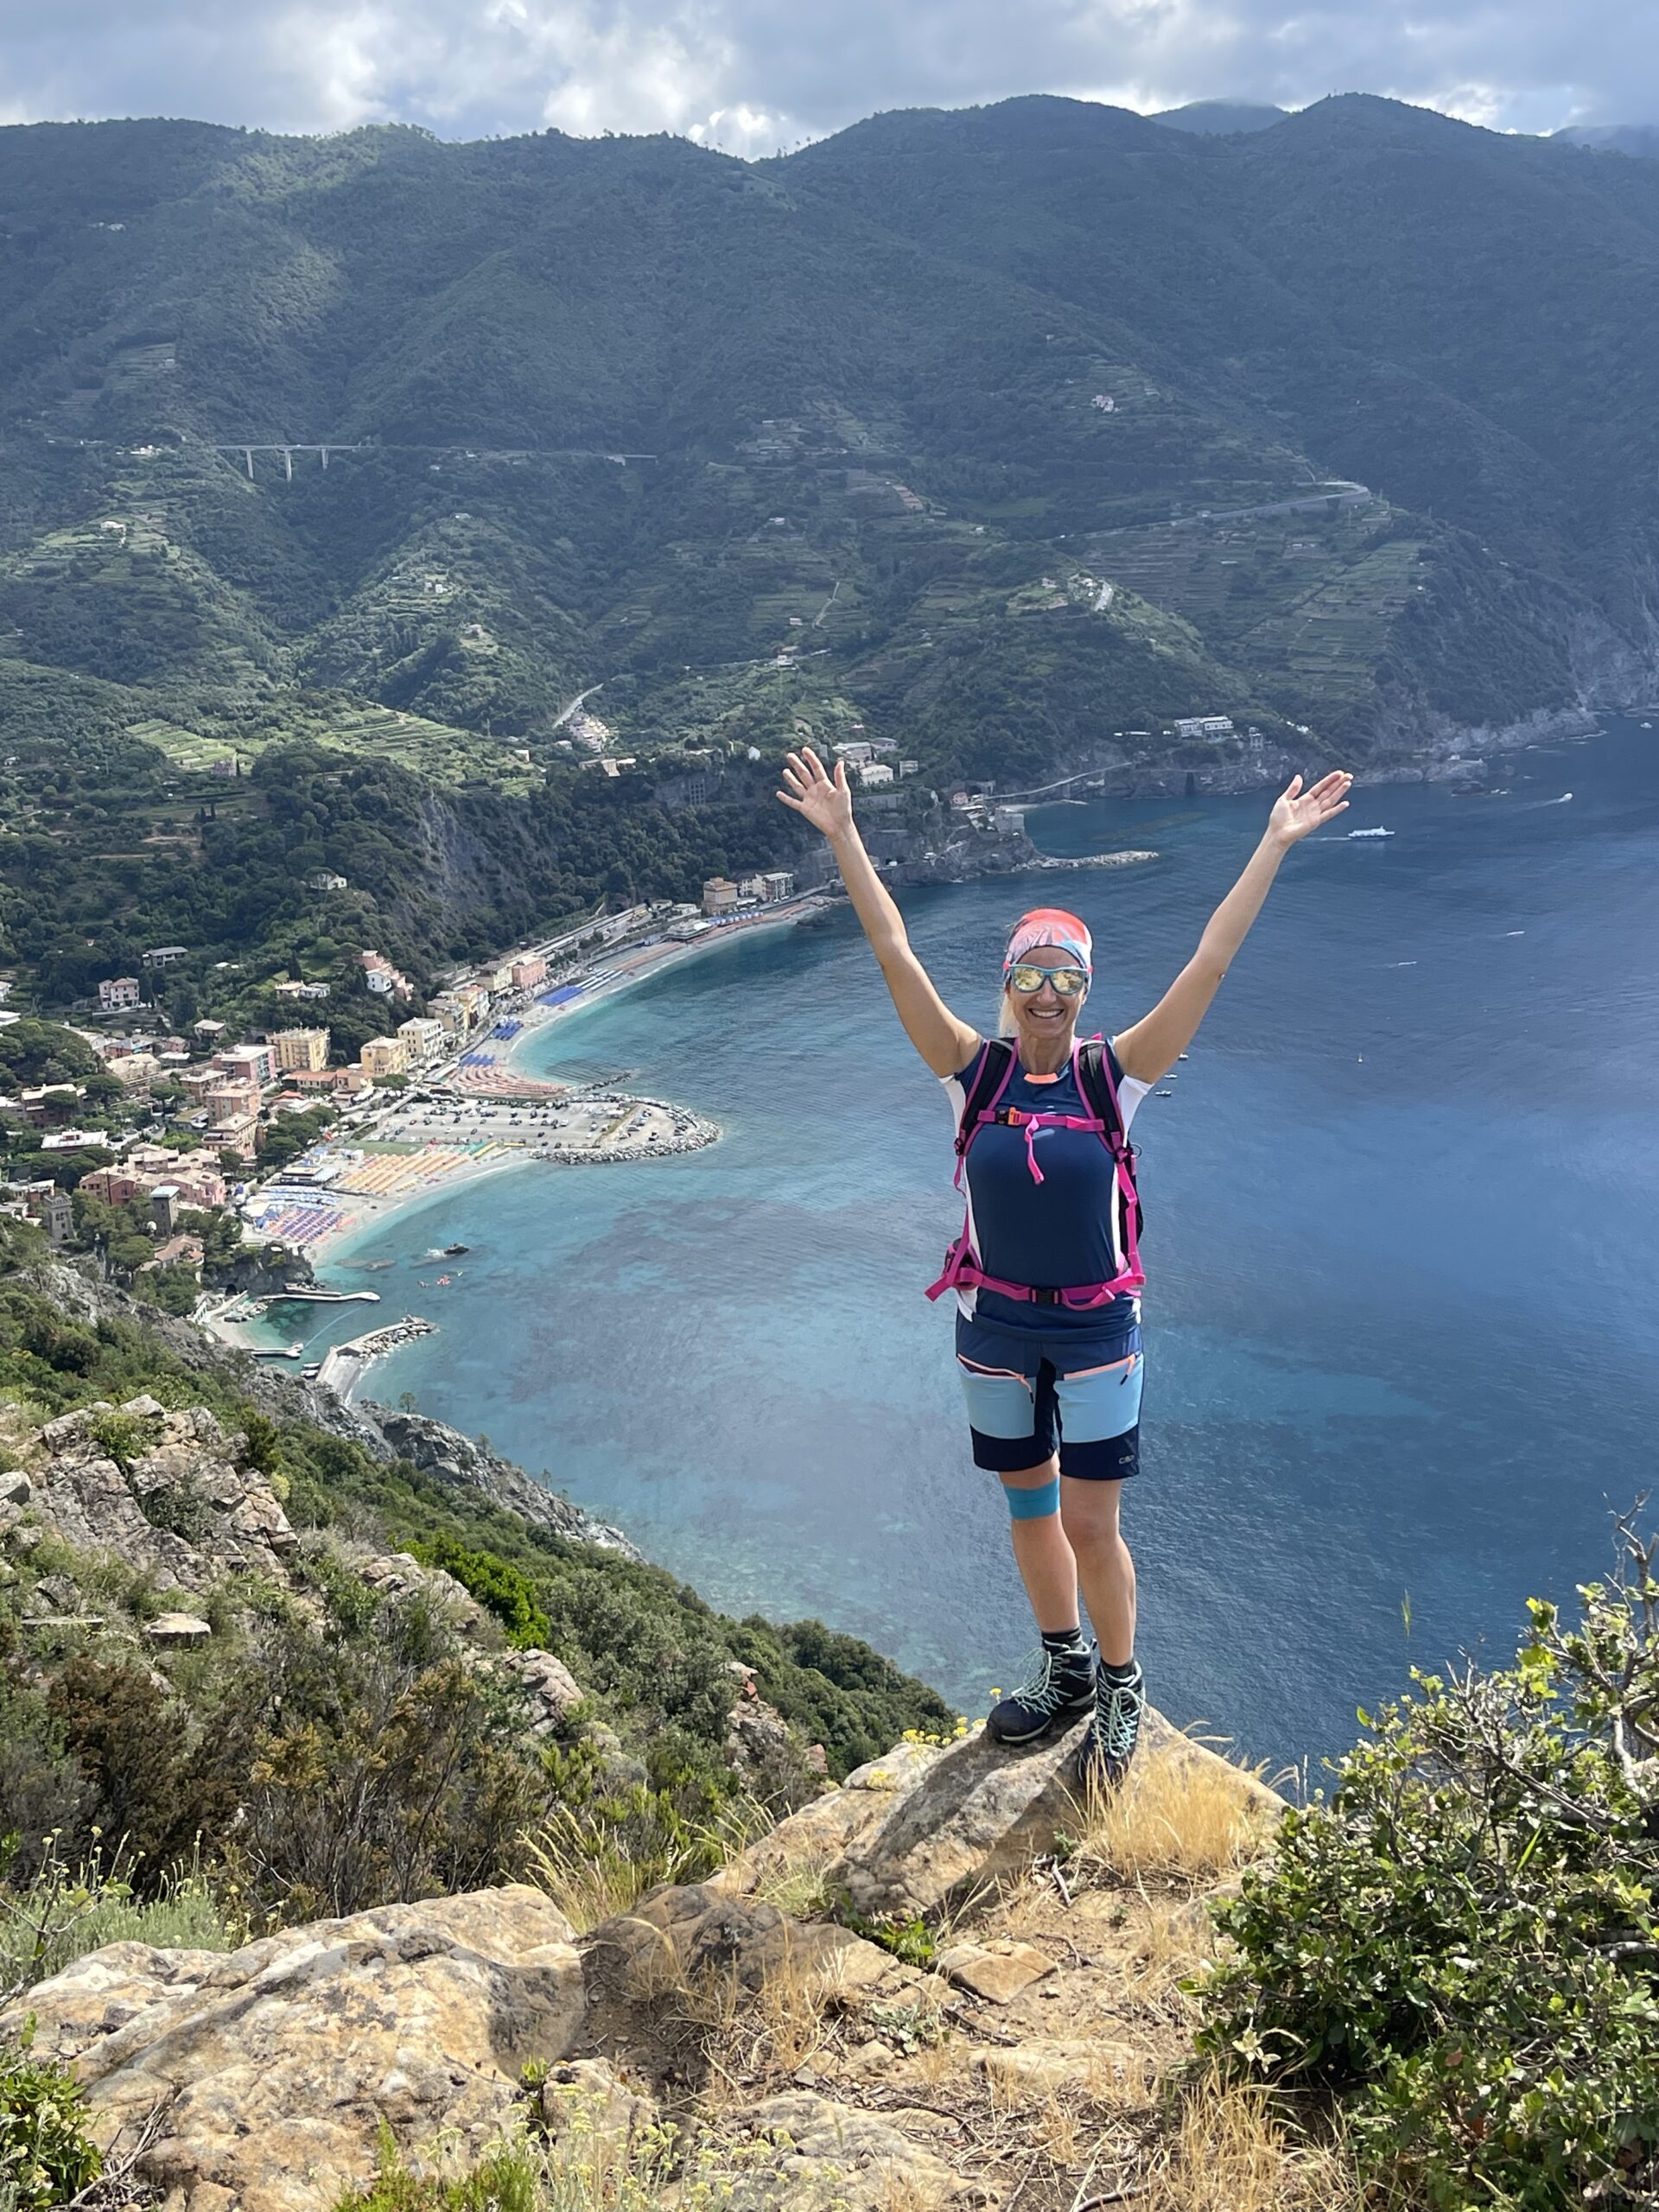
<point x="1371" y="833"/>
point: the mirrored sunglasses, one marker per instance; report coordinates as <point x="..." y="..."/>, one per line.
<point x="1068" y="981"/>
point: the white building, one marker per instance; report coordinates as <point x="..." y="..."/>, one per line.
<point x="874" y="772"/>
<point x="422" y="1036"/>
<point x="1208" y="729"/>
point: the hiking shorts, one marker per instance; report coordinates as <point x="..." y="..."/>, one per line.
<point x="1018" y="1415"/>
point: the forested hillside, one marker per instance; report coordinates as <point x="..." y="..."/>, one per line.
<point x="382" y="448"/>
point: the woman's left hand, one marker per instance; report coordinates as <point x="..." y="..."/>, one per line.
<point x="1296" y="811"/>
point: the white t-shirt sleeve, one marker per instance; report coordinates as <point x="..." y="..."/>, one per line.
<point x="1131" y="1092"/>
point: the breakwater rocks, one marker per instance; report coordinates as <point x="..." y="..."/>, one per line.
<point x="342" y="1368"/>
<point x="639" y="1129"/>
<point x="1130" y="858"/>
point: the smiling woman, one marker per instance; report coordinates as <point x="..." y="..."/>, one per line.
<point x="1047" y="1271"/>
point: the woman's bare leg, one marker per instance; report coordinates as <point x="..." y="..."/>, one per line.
<point x="1088" y="1523"/>
<point x="1043" y="1556"/>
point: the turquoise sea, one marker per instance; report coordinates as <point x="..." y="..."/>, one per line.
<point x="1403" y="1241"/>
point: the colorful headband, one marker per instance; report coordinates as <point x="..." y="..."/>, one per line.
<point x="1051" y="925"/>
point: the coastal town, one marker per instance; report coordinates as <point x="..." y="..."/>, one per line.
<point x="263" y="1149"/>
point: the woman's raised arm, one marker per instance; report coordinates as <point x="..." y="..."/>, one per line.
<point x="946" y="1044"/>
<point x="1157" y="1041"/>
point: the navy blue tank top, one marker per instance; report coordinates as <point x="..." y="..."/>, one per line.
<point x="1066" y="1231"/>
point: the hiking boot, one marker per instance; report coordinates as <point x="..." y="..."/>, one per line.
<point x="1103" y="1756"/>
<point x="1060" y="1687"/>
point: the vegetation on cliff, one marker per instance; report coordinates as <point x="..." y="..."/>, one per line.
<point x="332" y="1744"/>
<point x="1458" y="1950"/>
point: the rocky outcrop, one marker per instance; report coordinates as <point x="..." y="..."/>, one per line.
<point x="260" y="2080"/>
<point x="261" y="1270"/>
<point x="445" y="1453"/>
<point x="263" y="2075"/>
<point x="157" y="1489"/>
<point x="269" y="2069"/>
<point x="929" y="1824"/>
<point x="831" y="2157"/>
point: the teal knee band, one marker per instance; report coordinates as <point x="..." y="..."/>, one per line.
<point x="1033" y="1504"/>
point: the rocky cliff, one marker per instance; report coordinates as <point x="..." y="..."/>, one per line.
<point x="1012" y="2024"/>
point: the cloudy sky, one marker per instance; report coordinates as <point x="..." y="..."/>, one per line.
<point x="753" y="75"/>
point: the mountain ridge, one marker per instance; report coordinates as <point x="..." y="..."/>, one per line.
<point x="1000" y="435"/>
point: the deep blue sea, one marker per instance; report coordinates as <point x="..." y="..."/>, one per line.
<point x="1402" y="1242"/>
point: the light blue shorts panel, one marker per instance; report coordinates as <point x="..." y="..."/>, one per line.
<point x="1102" y="1403"/>
<point x="998" y="1404"/>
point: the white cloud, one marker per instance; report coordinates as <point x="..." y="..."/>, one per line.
<point x="749" y="75"/>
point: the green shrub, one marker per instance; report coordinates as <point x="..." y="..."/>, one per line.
<point x="369" y="1771"/>
<point x="501" y="1587"/>
<point x="180" y="1508"/>
<point x="1461" y="1947"/>
<point x="910" y="1940"/>
<point x="122" y="1437"/>
<point x="134" y="1746"/>
<point x="46" y="2160"/>
<point x="351" y="1603"/>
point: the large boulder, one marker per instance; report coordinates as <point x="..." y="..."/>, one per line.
<point x="928" y="1825"/>
<point x="268" y="2070"/>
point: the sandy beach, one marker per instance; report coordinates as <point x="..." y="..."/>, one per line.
<point x="614" y="972"/>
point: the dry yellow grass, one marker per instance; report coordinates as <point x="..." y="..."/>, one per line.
<point x="798" y="1886"/>
<point x="752" y="2036"/>
<point x="1230" y="2152"/>
<point x="1192" y="1818"/>
<point x="588" y="1879"/>
<point x="903" y="2192"/>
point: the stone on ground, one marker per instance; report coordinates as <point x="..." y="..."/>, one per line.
<point x="997" y="1972"/>
<point x="178" y="1627"/>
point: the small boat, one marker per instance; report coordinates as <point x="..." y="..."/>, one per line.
<point x="454" y="1251"/>
<point x="311" y="1369"/>
<point x="1183" y="1056"/>
<point x="1163" y="1093"/>
<point x="1370" y="833"/>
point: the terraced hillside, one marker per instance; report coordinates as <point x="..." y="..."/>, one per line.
<point x="994" y="432"/>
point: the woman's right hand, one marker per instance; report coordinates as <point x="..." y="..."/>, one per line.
<point x="825" y="799"/>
